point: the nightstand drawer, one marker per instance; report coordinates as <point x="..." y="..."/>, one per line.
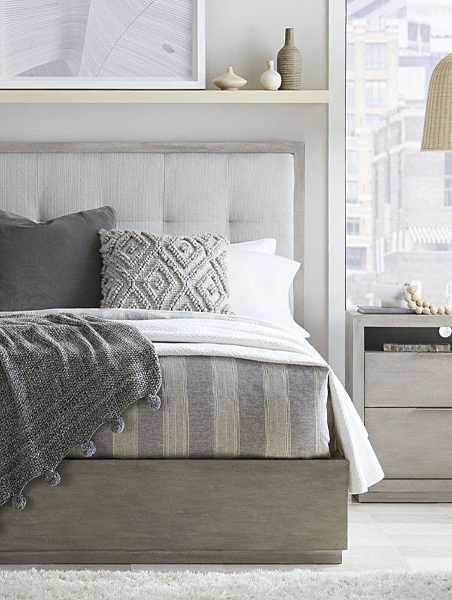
<point x="412" y="442"/>
<point x="408" y="379"/>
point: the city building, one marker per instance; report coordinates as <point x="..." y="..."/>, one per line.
<point x="413" y="207"/>
<point x="372" y="75"/>
<point x="393" y="189"/>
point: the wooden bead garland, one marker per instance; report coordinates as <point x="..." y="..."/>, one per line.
<point x="423" y="307"/>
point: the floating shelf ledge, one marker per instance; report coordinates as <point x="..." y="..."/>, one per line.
<point x="164" y="96"/>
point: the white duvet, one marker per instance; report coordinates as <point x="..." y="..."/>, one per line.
<point x="204" y="334"/>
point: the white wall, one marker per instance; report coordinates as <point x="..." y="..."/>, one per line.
<point x="243" y="33"/>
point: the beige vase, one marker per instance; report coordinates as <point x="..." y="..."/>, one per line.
<point x="271" y="79"/>
<point x="289" y="63"/>
<point x="229" y="81"/>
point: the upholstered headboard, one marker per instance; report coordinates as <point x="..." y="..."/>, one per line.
<point x="245" y="191"/>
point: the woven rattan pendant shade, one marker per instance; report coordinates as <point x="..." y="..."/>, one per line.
<point x="438" y="114"/>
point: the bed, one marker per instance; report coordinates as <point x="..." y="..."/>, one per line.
<point x="270" y="484"/>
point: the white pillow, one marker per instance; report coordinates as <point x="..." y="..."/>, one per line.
<point x="259" y="286"/>
<point x="267" y="246"/>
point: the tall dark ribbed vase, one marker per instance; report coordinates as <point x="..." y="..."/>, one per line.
<point x="289" y="63"/>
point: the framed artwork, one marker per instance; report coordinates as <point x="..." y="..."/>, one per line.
<point x="102" y="44"/>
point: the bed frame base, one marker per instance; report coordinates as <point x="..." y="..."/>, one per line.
<point x="182" y="511"/>
<point x="218" y="557"/>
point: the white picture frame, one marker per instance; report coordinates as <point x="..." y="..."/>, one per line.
<point x="190" y="59"/>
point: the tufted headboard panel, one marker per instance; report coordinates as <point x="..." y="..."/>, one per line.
<point x="245" y="191"/>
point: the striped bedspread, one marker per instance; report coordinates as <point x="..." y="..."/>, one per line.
<point x="215" y="407"/>
<point x="242" y="388"/>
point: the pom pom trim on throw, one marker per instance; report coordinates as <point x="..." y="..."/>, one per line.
<point x="53" y="478"/>
<point x="154" y="402"/>
<point x="117" y="425"/>
<point x="88" y="448"/>
<point x="19" y="501"/>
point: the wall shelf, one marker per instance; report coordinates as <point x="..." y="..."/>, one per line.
<point x="163" y="97"/>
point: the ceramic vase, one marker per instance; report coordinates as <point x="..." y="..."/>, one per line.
<point x="229" y="80"/>
<point x="289" y="63"/>
<point x="271" y="79"/>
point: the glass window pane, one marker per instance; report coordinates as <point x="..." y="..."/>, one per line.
<point x="350" y="56"/>
<point x="448" y="179"/>
<point x="351" y="124"/>
<point x="350" y="93"/>
<point x="375" y="92"/>
<point x="352" y="192"/>
<point x="372" y="121"/>
<point x="375" y="56"/>
<point x="353" y="225"/>
<point x="399" y="225"/>
<point x="356" y="258"/>
<point x="352" y="162"/>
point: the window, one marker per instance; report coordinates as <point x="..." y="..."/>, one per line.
<point x="351" y="125"/>
<point x="353" y="226"/>
<point x="350" y="56"/>
<point x="399" y="200"/>
<point x="352" y="162"/>
<point x="350" y="93"/>
<point x="352" y="192"/>
<point x="375" y="56"/>
<point x="448" y="179"/>
<point x="356" y="258"/>
<point x="375" y="92"/>
<point x="372" y="121"/>
<point x="425" y="33"/>
<point x="413" y="29"/>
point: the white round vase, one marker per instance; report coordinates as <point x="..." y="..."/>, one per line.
<point x="229" y="81"/>
<point x="271" y="79"/>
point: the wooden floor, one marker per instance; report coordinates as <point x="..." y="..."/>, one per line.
<point x="381" y="536"/>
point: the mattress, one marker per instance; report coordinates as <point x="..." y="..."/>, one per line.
<point x="219" y="407"/>
<point x="236" y="387"/>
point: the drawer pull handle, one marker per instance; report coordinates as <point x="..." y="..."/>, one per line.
<point x="433" y="409"/>
<point x="442" y="353"/>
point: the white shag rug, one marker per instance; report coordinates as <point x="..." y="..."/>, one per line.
<point x="252" y="585"/>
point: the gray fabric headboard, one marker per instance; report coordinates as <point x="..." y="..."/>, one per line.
<point x="245" y="191"/>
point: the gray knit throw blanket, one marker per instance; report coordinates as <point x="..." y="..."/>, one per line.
<point x="61" y="377"/>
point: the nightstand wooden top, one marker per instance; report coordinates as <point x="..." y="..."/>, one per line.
<point x="399" y="320"/>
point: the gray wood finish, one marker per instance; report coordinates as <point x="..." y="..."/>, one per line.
<point x="408" y="379"/>
<point x="406" y="403"/>
<point x="410" y="490"/>
<point x="354" y="361"/>
<point x="412" y="443"/>
<point x="116" y="557"/>
<point x="182" y="511"/>
<point x="243" y="190"/>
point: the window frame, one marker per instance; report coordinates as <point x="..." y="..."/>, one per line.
<point x="337" y="39"/>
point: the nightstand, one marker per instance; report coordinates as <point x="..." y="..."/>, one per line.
<point x="405" y="401"/>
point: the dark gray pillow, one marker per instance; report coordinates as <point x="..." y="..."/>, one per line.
<point x="56" y="264"/>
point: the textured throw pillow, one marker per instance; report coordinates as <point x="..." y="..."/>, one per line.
<point x="142" y="270"/>
<point x="55" y="264"/>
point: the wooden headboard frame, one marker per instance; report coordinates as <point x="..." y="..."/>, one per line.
<point x="257" y="187"/>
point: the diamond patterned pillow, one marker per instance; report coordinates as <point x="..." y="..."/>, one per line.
<point x="142" y="270"/>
